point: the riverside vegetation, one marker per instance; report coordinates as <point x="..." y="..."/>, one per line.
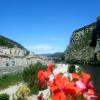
<point x="10" y="79"/>
<point x="29" y="76"/>
<point x="77" y="85"/>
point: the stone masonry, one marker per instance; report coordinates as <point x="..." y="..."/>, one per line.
<point x="15" y="59"/>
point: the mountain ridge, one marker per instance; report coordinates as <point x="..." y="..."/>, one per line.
<point x="6" y="42"/>
<point x="10" y="44"/>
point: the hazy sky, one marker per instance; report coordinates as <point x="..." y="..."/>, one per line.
<point x="45" y="26"/>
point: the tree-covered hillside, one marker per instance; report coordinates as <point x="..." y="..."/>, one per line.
<point x="5" y="42"/>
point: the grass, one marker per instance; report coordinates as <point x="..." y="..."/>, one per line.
<point x="10" y="79"/>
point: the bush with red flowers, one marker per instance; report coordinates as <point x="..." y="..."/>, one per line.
<point x="61" y="87"/>
<point x="43" y="76"/>
<point x="30" y="76"/>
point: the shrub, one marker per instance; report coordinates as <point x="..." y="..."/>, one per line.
<point x="22" y="93"/>
<point x="30" y="76"/>
<point x="71" y="68"/>
<point x="4" y="96"/>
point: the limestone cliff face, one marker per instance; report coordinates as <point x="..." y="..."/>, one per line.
<point x="79" y="47"/>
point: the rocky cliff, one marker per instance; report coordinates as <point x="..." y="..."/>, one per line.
<point x="80" y="49"/>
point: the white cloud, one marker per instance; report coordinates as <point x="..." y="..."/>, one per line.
<point x="41" y="48"/>
<point x="57" y="38"/>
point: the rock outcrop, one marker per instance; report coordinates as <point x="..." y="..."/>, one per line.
<point x="84" y="44"/>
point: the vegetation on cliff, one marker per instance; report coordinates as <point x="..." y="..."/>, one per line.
<point x="79" y="50"/>
<point x="5" y="42"/>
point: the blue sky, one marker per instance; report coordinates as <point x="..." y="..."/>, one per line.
<point x="45" y="26"/>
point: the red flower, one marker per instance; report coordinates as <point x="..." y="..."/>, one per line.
<point x="50" y="67"/>
<point x="86" y="78"/>
<point x="43" y="76"/>
<point x="84" y="84"/>
<point x="62" y="84"/>
<point x="59" y="96"/>
<point x="62" y="88"/>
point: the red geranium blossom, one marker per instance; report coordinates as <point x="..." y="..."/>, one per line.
<point x="43" y="76"/>
<point x="59" y="96"/>
<point x="50" y="67"/>
<point x="62" y="84"/>
<point x="62" y="88"/>
<point x="84" y="84"/>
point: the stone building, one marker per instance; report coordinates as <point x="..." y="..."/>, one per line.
<point x="12" y="57"/>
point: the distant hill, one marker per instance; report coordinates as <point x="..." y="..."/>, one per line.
<point x="57" y="54"/>
<point x="6" y="42"/>
<point x="57" y="57"/>
<point x="45" y="55"/>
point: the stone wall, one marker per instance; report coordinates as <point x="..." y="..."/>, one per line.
<point x="12" y="51"/>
